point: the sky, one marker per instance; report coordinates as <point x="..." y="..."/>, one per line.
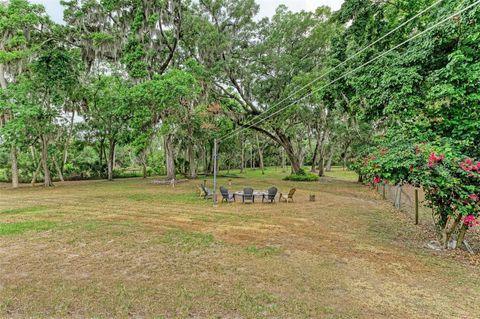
<point x="267" y="7"/>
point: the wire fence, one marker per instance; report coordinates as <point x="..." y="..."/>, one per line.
<point x="408" y="199"/>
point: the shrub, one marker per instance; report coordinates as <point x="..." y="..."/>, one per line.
<point x="304" y="177"/>
<point x="451" y="180"/>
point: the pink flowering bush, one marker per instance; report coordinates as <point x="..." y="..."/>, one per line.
<point x="451" y="181"/>
<point x="452" y="189"/>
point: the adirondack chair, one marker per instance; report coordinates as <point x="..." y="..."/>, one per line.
<point x="248" y="195"/>
<point x="207" y="194"/>
<point x="270" y="196"/>
<point x="201" y="193"/>
<point x="289" y="197"/>
<point x="226" y="196"/>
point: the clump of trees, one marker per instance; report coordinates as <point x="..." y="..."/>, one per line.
<point x="152" y="84"/>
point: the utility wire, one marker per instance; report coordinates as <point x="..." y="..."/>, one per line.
<point x="354" y="70"/>
<point x="344" y="62"/>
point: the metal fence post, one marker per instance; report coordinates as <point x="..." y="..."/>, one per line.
<point x="215" y="173"/>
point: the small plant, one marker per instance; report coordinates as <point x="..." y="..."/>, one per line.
<point x="302" y="176"/>
<point x="263" y="251"/>
<point x="188" y="241"/>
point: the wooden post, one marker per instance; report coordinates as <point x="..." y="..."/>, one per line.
<point x="383" y="191"/>
<point x="416" y="206"/>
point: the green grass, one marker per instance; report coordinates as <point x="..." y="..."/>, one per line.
<point x="187" y="240"/>
<point x="22" y="227"/>
<point x="23" y="210"/>
<point x="263" y="251"/>
<point x="339" y="173"/>
<point x="187" y="198"/>
<point x="278" y="173"/>
<point x="219" y="216"/>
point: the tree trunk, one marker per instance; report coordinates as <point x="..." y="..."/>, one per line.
<point x="321" y="166"/>
<point x="13" y="151"/>
<point x="284" y="162"/>
<point x="3" y="81"/>
<point x="47" y="179"/>
<point x="242" y="153"/>
<point x="204" y="159"/>
<point x="315" y="154"/>
<point x="100" y="159"/>
<point x="13" y="157"/>
<point x="282" y="139"/>
<point x="252" y="158"/>
<point x="461" y="236"/>
<point x="260" y="155"/>
<point x="321" y="155"/>
<point x="287" y="145"/>
<point x="111" y="159"/>
<point x="345" y="154"/>
<point x="209" y="158"/>
<point x="35" y="174"/>
<point x="59" y="170"/>
<point x="191" y="160"/>
<point x="105" y="157"/>
<point x="448" y="230"/>
<point x="294" y="160"/>
<point x="169" y="157"/>
<point x="328" y="168"/>
<point x="360" y="177"/>
<point x="143" y="158"/>
<point x="67" y="142"/>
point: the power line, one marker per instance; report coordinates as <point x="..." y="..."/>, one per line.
<point x="344" y="62"/>
<point x="351" y="71"/>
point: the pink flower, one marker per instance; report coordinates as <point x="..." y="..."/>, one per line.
<point x="376" y="179"/>
<point x="465" y="168"/>
<point x="434" y="159"/>
<point x="474" y="197"/>
<point x="469" y="220"/>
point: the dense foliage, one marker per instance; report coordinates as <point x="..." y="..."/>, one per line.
<point x="302" y="176"/>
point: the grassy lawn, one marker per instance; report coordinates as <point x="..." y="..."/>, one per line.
<point x="130" y="248"/>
